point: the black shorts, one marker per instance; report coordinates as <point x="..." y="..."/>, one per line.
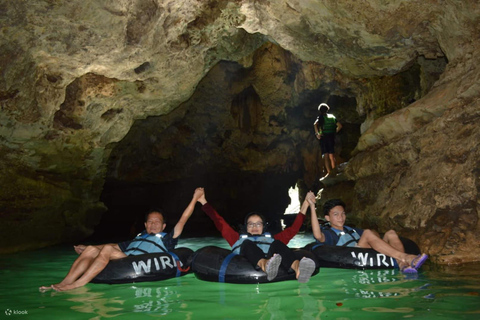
<point x="327" y="143"/>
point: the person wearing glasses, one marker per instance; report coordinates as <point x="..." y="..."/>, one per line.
<point x="263" y="250"/>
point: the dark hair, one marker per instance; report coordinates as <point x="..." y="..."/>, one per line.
<point x="156" y="210"/>
<point x="323" y="108"/>
<point x="330" y="204"/>
<point x="255" y="214"/>
<point x="243" y="228"/>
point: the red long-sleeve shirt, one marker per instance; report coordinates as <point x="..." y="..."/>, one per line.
<point x="232" y="236"/>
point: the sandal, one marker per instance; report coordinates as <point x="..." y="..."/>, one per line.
<point x="419" y="261"/>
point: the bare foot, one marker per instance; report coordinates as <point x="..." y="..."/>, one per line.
<point x="262" y="263"/>
<point x="79" y="249"/>
<point x="409" y="258"/>
<point x="61" y="284"/>
<point x="45" y="288"/>
<point x="401" y="264"/>
<point x="66" y="287"/>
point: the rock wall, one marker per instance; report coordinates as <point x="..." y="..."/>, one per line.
<point x="77" y="75"/>
<point x="423" y="161"/>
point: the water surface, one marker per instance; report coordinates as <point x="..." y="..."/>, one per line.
<point x="435" y="293"/>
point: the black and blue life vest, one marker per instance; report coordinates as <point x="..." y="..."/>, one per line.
<point x="263" y="241"/>
<point x="146" y="243"/>
<point x="348" y="237"/>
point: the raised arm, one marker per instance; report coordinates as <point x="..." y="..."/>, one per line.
<point x="225" y="229"/>
<point x="177" y="231"/>
<point x="286" y="235"/>
<point x="317" y="232"/>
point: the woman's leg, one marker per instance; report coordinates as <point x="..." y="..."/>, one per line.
<point x="303" y="268"/>
<point x="256" y="257"/>
<point x="288" y="257"/>
<point x="252" y="253"/>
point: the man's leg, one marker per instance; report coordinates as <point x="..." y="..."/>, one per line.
<point x="370" y="240"/>
<point x="391" y="237"/>
<point x="331" y="157"/>
<point x="79" y="266"/>
<point x="106" y="254"/>
<point x="327" y="163"/>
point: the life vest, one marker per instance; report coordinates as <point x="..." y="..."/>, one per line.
<point x="146" y="243"/>
<point x="263" y="241"/>
<point x="346" y="238"/>
<point x="329" y="124"/>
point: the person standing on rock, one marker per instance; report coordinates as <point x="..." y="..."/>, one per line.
<point x="326" y="126"/>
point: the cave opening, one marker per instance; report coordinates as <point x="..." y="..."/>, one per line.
<point x="245" y="147"/>
<point x="236" y="139"/>
<point x="150" y="167"/>
<point x="245" y="135"/>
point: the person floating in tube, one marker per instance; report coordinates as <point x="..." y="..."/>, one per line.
<point x="337" y="234"/>
<point x="94" y="258"/>
<point x="261" y="249"/>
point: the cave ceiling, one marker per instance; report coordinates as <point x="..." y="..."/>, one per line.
<point x="155" y="96"/>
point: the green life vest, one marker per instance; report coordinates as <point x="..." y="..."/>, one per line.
<point x="329" y="124"/>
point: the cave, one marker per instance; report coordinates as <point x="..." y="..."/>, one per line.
<point x="111" y="108"/>
<point x="245" y="153"/>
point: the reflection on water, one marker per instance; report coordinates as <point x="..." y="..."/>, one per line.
<point x="372" y="284"/>
<point x="153" y="299"/>
<point x="375" y="276"/>
<point x="88" y="301"/>
<point x="223" y="300"/>
<point x="332" y="294"/>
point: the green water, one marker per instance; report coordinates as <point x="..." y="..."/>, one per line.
<point x="333" y="294"/>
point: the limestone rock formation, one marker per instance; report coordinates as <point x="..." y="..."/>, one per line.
<point x="159" y="93"/>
